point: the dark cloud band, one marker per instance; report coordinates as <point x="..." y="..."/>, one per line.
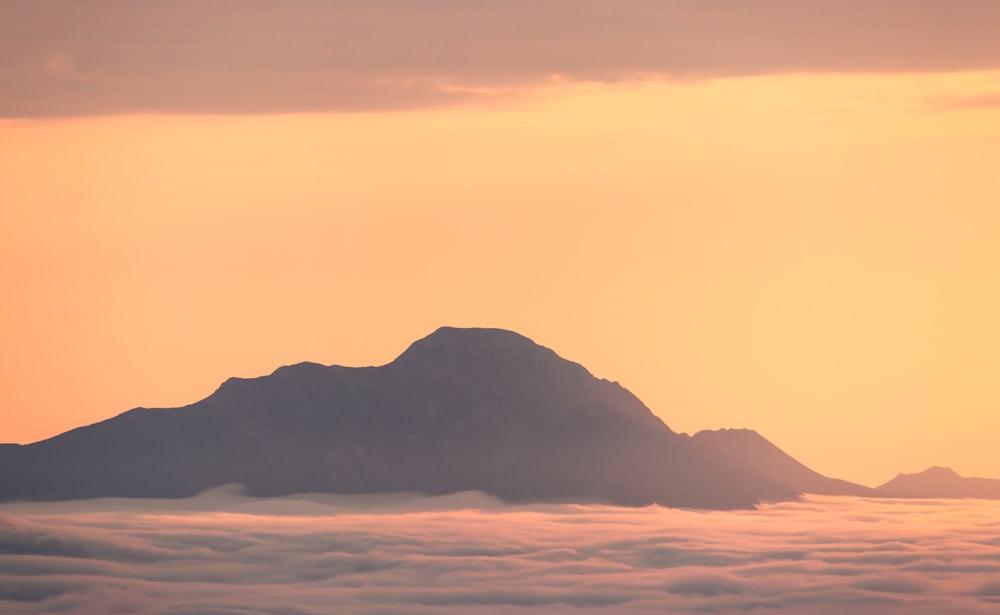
<point x="256" y="56"/>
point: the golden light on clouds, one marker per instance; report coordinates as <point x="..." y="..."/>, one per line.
<point x="812" y="256"/>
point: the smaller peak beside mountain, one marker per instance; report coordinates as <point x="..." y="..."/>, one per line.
<point x="937" y="472"/>
<point x="941" y="482"/>
<point x="753" y="450"/>
<point x="303" y="365"/>
<point x="295" y="372"/>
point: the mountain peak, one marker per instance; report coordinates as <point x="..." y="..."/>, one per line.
<point x="940" y="471"/>
<point x="941" y="482"/>
<point x="485" y="355"/>
<point x="470" y="342"/>
<point x="931" y="473"/>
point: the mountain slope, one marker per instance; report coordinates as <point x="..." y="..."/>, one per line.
<point x="938" y="482"/>
<point x="753" y="450"/>
<point x="462" y="409"/>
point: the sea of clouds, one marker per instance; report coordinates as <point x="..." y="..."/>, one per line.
<point x="222" y="553"/>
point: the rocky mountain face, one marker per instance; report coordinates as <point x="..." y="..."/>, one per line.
<point x="938" y="482"/>
<point x="754" y="451"/>
<point x="462" y="409"/>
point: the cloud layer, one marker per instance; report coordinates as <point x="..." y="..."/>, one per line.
<point x="226" y="554"/>
<point x="116" y="56"/>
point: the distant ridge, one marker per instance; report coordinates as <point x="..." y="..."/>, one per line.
<point x="753" y="450"/>
<point x="941" y="482"/>
<point x="461" y="409"/>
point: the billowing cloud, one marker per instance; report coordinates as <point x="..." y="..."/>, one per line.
<point x="254" y="56"/>
<point x="227" y="554"/>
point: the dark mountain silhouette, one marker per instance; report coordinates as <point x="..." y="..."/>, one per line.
<point x="752" y="450"/>
<point x="938" y="482"/>
<point x="462" y="409"/>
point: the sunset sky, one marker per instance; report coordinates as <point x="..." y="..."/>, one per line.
<point x="775" y="214"/>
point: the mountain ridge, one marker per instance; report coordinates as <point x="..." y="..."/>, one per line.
<point x="458" y="410"/>
<point x="461" y="409"/>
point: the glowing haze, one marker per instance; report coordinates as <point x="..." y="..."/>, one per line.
<point x="772" y="214"/>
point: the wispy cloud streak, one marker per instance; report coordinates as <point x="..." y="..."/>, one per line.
<point x="229" y="554"/>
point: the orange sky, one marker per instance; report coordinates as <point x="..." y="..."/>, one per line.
<point x="813" y="256"/>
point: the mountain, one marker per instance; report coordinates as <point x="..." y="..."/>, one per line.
<point x="938" y="482"/>
<point x="462" y="409"/>
<point x="749" y="448"/>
